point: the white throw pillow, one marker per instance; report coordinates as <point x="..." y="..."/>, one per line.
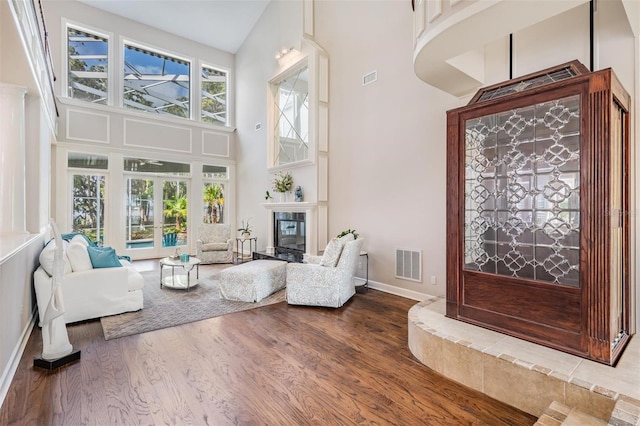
<point x="79" y="239"/>
<point x="332" y="252"/>
<point x="47" y="254"/>
<point x="78" y="256"/>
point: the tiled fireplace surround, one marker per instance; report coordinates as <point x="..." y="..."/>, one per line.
<point x="522" y="374"/>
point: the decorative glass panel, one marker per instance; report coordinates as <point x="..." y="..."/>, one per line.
<point x="291" y="130"/>
<point x="538" y="81"/>
<point x="522" y="192"/>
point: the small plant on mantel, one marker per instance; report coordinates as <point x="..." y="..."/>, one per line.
<point x="283" y="182"/>
<point x="245" y="229"/>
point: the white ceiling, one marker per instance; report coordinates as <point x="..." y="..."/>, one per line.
<point x="223" y="24"/>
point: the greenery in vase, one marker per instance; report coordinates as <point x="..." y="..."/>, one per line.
<point x="283" y="182"/>
<point x="245" y="228"/>
<point x="349" y="231"/>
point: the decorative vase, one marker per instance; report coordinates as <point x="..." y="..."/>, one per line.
<point x="281" y="197"/>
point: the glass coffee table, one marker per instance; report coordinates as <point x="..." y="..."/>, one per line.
<point x="179" y="281"/>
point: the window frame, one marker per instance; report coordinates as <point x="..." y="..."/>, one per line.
<point x="226" y="188"/>
<point x="128" y="42"/>
<point x="108" y="36"/>
<point x="102" y="172"/>
<point x="201" y="82"/>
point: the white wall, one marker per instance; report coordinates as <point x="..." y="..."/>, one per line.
<point x="279" y="26"/>
<point x="387" y="163"/>
<point x="19" y="253"/>
<point x="388" y="139"/>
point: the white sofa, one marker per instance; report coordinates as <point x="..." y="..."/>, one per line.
<point x="88" y="293"/>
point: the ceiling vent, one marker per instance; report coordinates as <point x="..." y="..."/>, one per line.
<point x="369" y="77"/>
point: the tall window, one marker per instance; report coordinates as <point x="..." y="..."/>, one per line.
<point x="88" y="60"/>
<point x="88" y="207"/>
<point x="214" y="96"/>
<point x="213" y="195"/>
<point x="156" y="82"/>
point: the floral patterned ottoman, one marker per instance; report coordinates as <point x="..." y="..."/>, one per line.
<point x="253" y="281"/>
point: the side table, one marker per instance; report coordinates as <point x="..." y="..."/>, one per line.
<point x="358" y="282"/>
<point x="253" y="245"/>
<point x="180" y="282"/>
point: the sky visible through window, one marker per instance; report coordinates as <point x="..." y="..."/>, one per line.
<point x="153" y="82"/>
<point x="88" y="66"/>
<point x="156" y="83"/>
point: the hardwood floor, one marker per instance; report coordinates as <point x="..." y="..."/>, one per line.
<point x="276" y="365"/>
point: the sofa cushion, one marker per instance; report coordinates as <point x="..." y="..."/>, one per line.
<point x="214" y="246"/>
<point x="78" y="257"/>
<point x="103" y="257"/>
<point x="47" y="254"/>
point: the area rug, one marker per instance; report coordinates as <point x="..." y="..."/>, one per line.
<point x="167" y="307"/>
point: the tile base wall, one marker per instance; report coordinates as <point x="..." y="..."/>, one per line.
<point x="519" y="373"/>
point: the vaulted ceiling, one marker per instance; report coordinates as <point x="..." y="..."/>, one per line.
<point x="223" y="24"/>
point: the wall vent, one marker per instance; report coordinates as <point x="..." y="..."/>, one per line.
<point x="409" y="265"/>
<point x="369" y="77"/>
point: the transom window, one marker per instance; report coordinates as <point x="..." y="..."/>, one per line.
<point x="156" y="82"/>
<point x="213" y="104"/>
<point x="87" y="66"/>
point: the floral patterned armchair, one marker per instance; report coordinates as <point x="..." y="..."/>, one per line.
<point x="214" y="244"/>
<point x="330" y="286"/>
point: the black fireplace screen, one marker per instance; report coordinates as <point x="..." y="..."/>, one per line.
<point x="289" y="232"/>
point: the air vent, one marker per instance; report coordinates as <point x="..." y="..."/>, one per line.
<point x="409" y="265"/>
<point x="369" y="78"/>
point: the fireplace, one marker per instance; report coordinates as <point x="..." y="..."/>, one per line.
<point x="289" y="234"/>
<point x="288" y="220"/>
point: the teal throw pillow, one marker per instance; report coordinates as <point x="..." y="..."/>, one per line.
<point x="69" y="237"/>
<point x="103" y="257"/>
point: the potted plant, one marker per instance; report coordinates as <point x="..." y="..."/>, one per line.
<point x="245" y="229"/>
<point x="349" y="231"/>
<point x="283" y="183"/>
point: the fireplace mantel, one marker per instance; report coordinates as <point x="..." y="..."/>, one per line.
<point x="307" y="207"/>
<point x="298" y="206"/>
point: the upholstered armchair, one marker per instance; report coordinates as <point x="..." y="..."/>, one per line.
<point x="214" y="244"/>
<point x="315" y="284"/>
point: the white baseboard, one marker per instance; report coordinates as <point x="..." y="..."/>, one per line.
<point x="398" y="291"/>
<point x="16" y="355"/>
